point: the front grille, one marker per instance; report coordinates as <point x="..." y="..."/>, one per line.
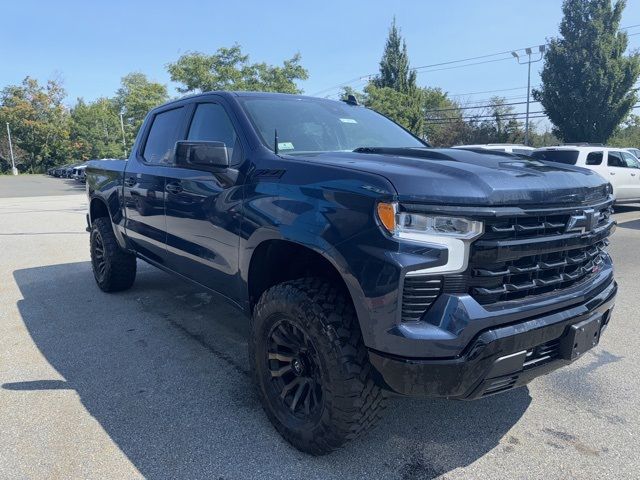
<point x="418" y="293"/>
<point x="536" y="274"/>
<point x="529" y="255"/>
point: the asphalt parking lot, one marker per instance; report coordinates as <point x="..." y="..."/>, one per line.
<point x="153" y="382"/>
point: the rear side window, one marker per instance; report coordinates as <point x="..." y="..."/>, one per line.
<point x="614" y="159"/>
<point x="165" y="131"/>
<point x="211" y="123"/>
<point x="594" y="158"/>
<point x="568" y="157"/>
<point x="630" y="160"/>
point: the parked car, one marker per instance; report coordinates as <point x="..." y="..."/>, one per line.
<point x="78" y="173"/>
<point x="616" y="165"/>
<point x="60" y="170"/>
<point x="367" y="261"/>
<point x="68" y="171"/>
<point x="501" y="147"/>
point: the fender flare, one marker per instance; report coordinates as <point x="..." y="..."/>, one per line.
<point x="324" y="249"/>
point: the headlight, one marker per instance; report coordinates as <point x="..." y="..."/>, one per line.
<point x="442" y="226"/>
<point x="455" y="233"/>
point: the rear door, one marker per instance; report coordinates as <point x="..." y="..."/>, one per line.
<point x="144" y="182"/>
<point x="619" y="175"/>
<point x="634" y="170"/>
<point x="203" y="207"/>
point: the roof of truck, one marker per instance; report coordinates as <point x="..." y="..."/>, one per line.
<point x="234" y="93"/>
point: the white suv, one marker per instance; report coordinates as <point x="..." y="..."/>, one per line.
<point x="616" y="165"/>
<point x="502" y="147"/>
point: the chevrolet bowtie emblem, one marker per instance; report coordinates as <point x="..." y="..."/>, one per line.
<point x="582" y="223"/>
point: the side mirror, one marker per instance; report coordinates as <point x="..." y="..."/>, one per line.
<point x="201" y="154"/>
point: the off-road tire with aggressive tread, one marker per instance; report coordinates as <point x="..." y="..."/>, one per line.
<point x="119" y="265"/>
<point x="352" y="402"/>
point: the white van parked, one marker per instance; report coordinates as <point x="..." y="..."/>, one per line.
<point x="616" y="165"/>
<point x="502" y="147"/>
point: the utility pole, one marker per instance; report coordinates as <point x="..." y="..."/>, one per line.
<point x="529" y="52"/>
<point x="14" y="170"/>
<point x="124" y="140"/>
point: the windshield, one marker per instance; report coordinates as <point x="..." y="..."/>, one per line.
<point x="307" y="125"/>
<point x="568" y="157"/>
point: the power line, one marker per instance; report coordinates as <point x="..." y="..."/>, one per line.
<point x="422" y="67"/>
<point x="470" y="58"/>
<point x="487" y="91"/>
<point x="469" y="119"/>
<point x="451" y="62"/>
<point x="466" y="65"/>
<point x="479" y="107"/>
<point x="509" y="116"/>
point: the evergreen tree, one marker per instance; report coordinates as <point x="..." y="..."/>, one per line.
<point x="587" y="80"/>
<point x="395" y="71"/>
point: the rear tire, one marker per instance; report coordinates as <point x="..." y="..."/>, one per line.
<point x="113" y="268"/>
<point x="311" y="367"/>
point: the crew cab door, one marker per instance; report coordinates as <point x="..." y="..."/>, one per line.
<point x="620" y="175"/>
<point x="144" y="182"/>
<point x="203" y="207"/>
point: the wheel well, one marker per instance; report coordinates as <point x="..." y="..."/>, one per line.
<point x="277" y="261"/>
<point x="98" y="209"/>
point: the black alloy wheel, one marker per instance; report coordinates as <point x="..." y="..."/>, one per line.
<point x="295" y="370"/>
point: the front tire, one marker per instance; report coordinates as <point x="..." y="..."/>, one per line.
<point x="113" y="268"/>
<point x="311" y="367"/>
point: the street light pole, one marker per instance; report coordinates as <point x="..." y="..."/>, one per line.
<point x="124" y="141"/>
<point x="529" y="52"/>
<point x="14" y="170"/>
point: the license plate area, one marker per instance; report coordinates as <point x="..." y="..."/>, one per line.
<point x="581" y="337"/>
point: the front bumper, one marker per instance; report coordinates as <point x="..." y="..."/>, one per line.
<point x="498" y="358"/>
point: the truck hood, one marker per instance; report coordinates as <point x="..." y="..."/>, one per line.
<point x="472" y="177"/>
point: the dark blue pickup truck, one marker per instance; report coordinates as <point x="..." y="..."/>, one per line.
<point x="368" y="262"/>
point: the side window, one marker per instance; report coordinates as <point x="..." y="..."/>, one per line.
<point x="211" y="123"/>
<point x="165" y="132"/>
<point x="594" y="158"/>
<point x="614" y="159"/>
<point x="630" y="160"/>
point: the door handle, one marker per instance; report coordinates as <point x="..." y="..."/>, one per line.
<point x="174" y="188"/>
<point x="633" y="174"/>
<point x="130" y="181"/>
<point x="612" y="173"/>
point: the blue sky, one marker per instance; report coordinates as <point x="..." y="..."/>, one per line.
<point x="91" y="46"/>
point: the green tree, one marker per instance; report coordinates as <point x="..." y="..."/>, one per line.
<point x="395" y="70"/>
<point x="393" y="92"/>
<point x="444" y="125"/>
<point x="135" y="97"/>
<point x="403" y="108"/>
<point x="95" y="129"/>
<point x="587" y="80"/>
<point x="230" y="69"/>
<point x="39" y="122"/>
<point x="628" y="135"/>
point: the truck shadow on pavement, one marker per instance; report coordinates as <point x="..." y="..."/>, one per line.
<point x="163" y="369"/>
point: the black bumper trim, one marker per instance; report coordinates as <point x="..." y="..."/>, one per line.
<point x="493" y="362"/>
